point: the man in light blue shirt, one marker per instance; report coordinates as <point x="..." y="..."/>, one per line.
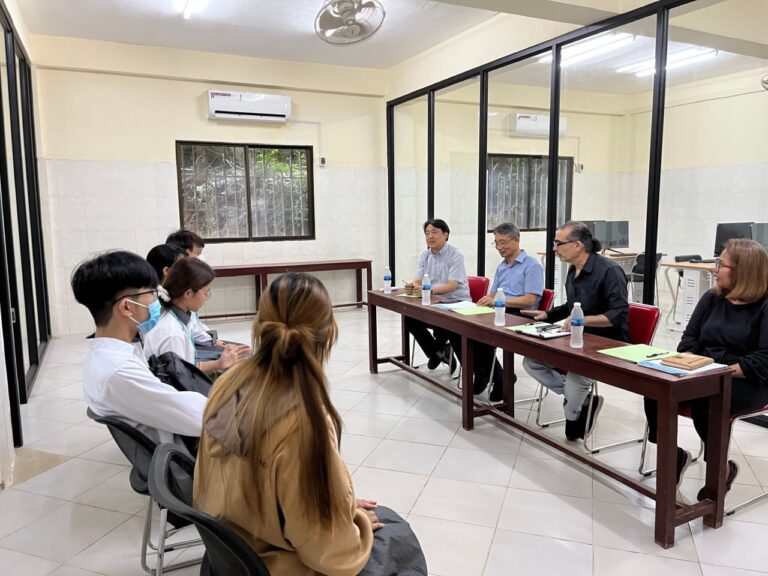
<point x="445" y="265"/>
<point x="521" y="277"/>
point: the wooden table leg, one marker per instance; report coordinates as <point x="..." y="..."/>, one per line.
<point x="405" y="341"/>
<point x="718" y="437"/>
<point x="467" y="388"/>
<point x="509" y="383"/>
<point x="373" y="347"/>
<point x="666" y="472"/>
<point x="359" y="286"/>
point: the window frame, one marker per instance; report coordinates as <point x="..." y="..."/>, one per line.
<point x="570" y="162"/>
<point x="309" y="149"/>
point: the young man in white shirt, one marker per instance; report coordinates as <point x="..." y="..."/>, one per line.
<point x="120" y="290"/>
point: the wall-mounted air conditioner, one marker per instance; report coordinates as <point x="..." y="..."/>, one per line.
<point x="521" y="124"/>
<point x="226" y="105"/>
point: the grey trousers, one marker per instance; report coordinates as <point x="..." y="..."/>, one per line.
<point x="396" y="550"/>
<point x="573" y="387"/>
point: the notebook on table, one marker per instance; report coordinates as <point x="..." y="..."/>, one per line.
<point x="540" y="330"/>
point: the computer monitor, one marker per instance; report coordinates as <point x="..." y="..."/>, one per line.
<point x="617" y="234"/>
<point x="760" y="234"/>
<point x="597" y="227"/>
<point x="727" y="232"/>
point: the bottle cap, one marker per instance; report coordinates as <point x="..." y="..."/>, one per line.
<point x="577" y="303"/>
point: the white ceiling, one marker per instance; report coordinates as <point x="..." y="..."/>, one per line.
<point x="273" y="29"/>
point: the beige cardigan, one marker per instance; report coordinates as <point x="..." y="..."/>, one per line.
<point x="282" y="536"/>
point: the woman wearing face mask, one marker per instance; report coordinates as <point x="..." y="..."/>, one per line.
<point x="187" y="286"/>
<point x="729" y="325"/>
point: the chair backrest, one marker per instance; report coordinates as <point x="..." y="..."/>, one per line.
<point x="226" y="553"/>
<point x="478" y="287"/>
<point x="638" y="268"/>
<point x="643" y="320"/>
<point x="134" y="444"/>
<point x="546" y="300"/>
<point x="686" y="258"/>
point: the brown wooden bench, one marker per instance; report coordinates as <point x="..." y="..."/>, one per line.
<point x="261" y="273"/>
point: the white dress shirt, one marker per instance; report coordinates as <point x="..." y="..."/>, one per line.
<point x="169" y="335"/>
<point x="199" y="330"/>
<point x="117" y="382"/>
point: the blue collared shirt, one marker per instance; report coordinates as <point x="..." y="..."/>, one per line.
<point x="446" y="265"/>
<point x="524" y="276"/>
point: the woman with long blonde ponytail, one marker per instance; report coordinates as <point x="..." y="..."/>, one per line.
<point x="269" y="461"/>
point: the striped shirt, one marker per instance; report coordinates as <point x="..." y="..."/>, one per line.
<point x="446" y="265"/>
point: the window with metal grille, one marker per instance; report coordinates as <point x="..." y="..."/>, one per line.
<point x="242" y="192"/>
<point x="517" y="190"/>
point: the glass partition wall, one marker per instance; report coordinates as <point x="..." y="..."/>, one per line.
<point x="714" y="175"/>
<point x="656" y="117"/>
<point x="457" y="121"/>
<point x="604" y="141"/>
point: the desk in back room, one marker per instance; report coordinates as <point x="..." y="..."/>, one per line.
<point x="697" y="279"/>
<point x="669" y="391"/>
<point x="261" y="273"/>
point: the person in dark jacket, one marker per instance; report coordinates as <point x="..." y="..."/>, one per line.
<point x="729" y="325"/>
<point x="600" y="285"/>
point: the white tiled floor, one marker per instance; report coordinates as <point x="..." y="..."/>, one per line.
<point x="483" y="503"/>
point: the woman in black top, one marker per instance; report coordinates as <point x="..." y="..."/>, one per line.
<point x="729" y="325"/>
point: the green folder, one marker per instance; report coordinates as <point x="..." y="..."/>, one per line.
<point x="637" y="352"/>
<point x="473" y="311"/>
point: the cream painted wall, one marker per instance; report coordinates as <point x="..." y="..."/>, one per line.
<point x="499" y="36"/>
<point x="107" y="154"/>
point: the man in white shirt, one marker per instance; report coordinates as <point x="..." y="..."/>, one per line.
<point x="120" y="290"/>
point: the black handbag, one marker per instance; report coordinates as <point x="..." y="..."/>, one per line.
<point x="179" y="373"/>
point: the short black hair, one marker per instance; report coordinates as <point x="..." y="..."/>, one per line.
<point x="163" y="256"/>
<point x="580" y="232"/>
<point x="98" y="281"/>
<point x="437" y="223"/>
<point x="185" y="239"/>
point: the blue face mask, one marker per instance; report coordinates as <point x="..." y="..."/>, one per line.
<point x="154" y="316"/>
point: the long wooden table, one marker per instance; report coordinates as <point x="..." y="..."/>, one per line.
<point x="261" y="273"/>
<point x="669" y="391"/>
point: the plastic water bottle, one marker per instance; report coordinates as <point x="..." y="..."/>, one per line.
<point x="500" y="308"/>
<point x="426" y="290"/>
<point x="387" y="280"/>
<point x="577" y="326"/>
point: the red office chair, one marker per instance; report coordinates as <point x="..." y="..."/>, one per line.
<point x="643" y="320"/>
<point x="685" y="410"/>
<point x="478" y="287"/>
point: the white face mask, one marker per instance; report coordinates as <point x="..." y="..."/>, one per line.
<point x="201" y="257"/>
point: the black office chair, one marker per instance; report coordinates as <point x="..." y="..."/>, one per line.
<point x="637" y="275"/>
<point x="138" y="449"/>
<point x="226" y="553"/>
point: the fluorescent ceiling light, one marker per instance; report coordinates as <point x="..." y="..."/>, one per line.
<point x="679" y="62"/>
<point x="650" y="63"/>
<point x="189" y="7"/>
<point x="586" y="49"/>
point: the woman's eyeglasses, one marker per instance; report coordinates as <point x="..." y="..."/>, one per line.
<point x="719" y="264"/>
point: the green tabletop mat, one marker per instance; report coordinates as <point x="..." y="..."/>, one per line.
<point x="637" y="352"/>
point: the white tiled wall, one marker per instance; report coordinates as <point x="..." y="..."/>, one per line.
<point x="91" y="206"/>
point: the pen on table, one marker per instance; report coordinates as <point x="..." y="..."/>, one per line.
<point x="655" y="355"/>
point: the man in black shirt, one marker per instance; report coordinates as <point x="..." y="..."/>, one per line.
<point x="601" y="287"/>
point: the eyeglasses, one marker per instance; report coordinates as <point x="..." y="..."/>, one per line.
<point x="719" y="264"/>
<point x="133" y="294"/>
<point x="208" y="294"/>
<point x="501" y="243"/>
<point x="558" y="243"/>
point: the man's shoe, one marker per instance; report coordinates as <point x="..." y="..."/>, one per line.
<point x="595" y="406"/>
<point x="452" y="363"/>
<point x="733" y="470"/>
<point x="574" y="429"/>
<point x="497" y="392"/>
<point x="434" y="362"/>
<point x="683" y="461"/>
<point x="479" y="386"/>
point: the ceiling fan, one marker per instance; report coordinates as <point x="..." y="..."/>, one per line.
<point x="343" y="22"/>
